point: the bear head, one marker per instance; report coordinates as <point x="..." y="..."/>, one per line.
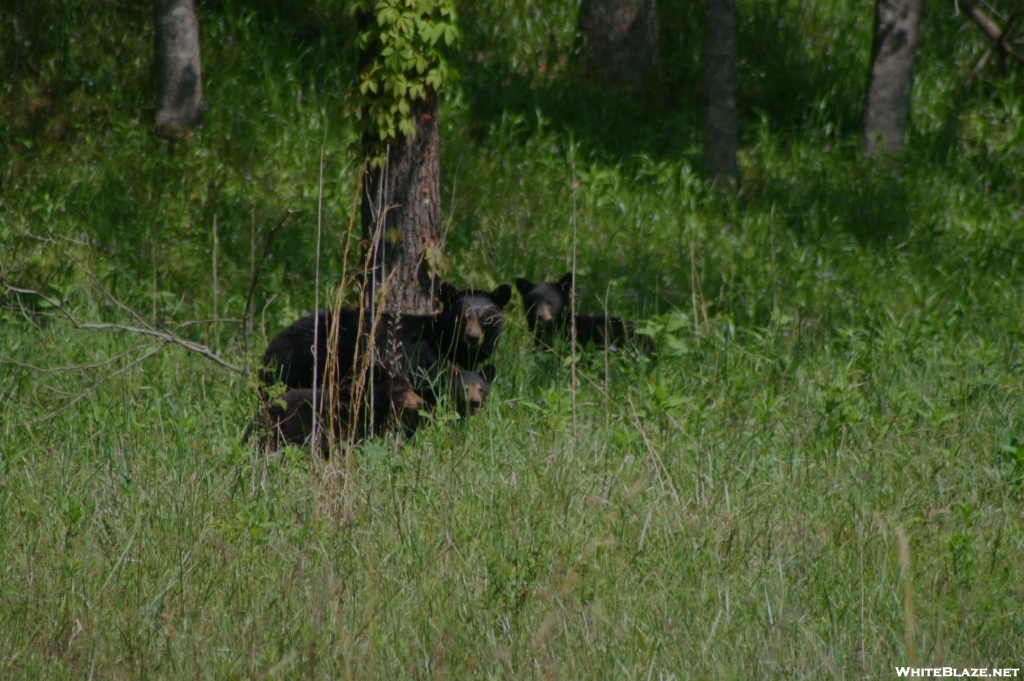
<point x="471" y="388"/>
<point x="547" y="303"/>
<point x="473" y="320"/>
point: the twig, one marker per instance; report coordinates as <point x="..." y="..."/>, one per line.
<point x="145" y="329"/>
<point x="216" y="329"/>
<point x="771" y="245"/>
<point x="91" y="389"/>
<point x="67" y="369"/>
<point x="990" y="28"/>
<point x="197" y="322"/>
<point x="258" y="268"/>
<point x="572" y="305"/>
<point x="1000" y="43"/>
<point x="317" y="394"/>
<point x="167" y="337"/>
<point x="695" y="291"/>
<point x="659" y="465"/>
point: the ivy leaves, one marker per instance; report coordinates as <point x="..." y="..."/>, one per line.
<point x="400" y="42"/>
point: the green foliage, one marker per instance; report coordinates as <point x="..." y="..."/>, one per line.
<point x="840" y="355"/>
<point x="400" y="52"/>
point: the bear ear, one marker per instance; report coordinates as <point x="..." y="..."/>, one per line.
<point x="501" y="295"/>
<point x="446" y="291"/>
<point x="523" y="285"/>
<point x="489" y="372"/>
<point x="565" y="283"/>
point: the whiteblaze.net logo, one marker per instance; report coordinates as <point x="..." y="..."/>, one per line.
<point x="957" y="672"/>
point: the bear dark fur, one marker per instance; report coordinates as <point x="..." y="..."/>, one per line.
<point x="470" y="389"/>
<point x="289" y="358"/>
<point x="289" y="418"/>
<point x="548" y="311"/>
<point x="470" y="323"/>
<point x="465" y="332"/>
<point x="547" y="307"/>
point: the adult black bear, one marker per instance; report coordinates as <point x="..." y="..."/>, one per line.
<point x="465" y="332"/>
<point x="289" y="356"/>
<point x="548" y="312"/>
<point x="388" y="400"/>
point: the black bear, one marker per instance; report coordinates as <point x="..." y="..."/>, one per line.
<point x="289" y="357"/>
<point x="470" y="389"/>
<point x="548" y="311"/>
<point x="465" y="332"/>
<point x="470" y="323"/>
<point x="289" y="418"/>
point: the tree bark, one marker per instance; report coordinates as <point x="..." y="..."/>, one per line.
<point x="720" y="89"/>
<point x="179" y="77"/>
<point x="892" y="72"/>
<point x="401" y="217"/>
<point x="622" y="40"/>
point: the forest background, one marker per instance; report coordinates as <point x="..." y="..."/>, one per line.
<point x="821" y="475"/>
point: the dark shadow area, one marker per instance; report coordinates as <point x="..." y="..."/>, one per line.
<point x="794" y="68"/>
<point x="319" y="31"/>
<point x="838" y="190"/>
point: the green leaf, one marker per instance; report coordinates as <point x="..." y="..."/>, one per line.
<point x="450" y="35"/>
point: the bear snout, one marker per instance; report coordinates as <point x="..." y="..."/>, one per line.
<point x="412" y="401"/>
<point x="474" y="334"/>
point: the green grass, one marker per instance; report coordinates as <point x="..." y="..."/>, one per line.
<point x="840" y="362"/>
<point x="731" y="512"/>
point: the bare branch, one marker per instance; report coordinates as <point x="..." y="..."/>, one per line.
<point x="979" y="66"/>
<point x="990" y="28"/>
<point x="198" y="322"/>
<point x="166" y="336"/>
<point x="257" y="270"/>
<point x="67" y="369"/>
<point x="91" y="389"/>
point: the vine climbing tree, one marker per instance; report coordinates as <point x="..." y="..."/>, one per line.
<point x="401" y="69"/>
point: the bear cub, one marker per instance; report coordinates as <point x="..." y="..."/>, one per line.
<point x="548" y="311"/>
<point x="470" y="389"/>
<point x="289" y="419"/>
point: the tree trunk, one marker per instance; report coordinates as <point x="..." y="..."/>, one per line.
<point x="891" y="75"/>
<point x="720" y="89"/>
<point x="408" y="193"/>
<point x="179" y="77"/>
<point x="622" y="40"/>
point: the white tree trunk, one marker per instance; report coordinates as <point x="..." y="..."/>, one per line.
<point x="179" y="77"/>
<point x="892" y="73"/>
